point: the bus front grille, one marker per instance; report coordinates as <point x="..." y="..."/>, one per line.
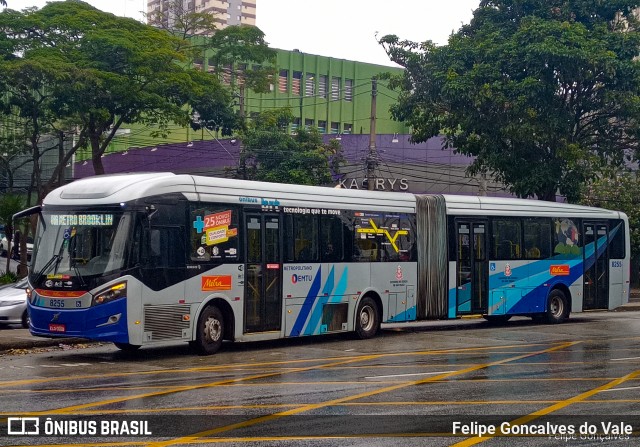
<point x="166" y="322"/>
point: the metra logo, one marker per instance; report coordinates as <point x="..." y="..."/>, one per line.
<point x="559" y="270"/>
<point x="221" y="282"/>
<point x="295" y="279"/>
<point x="266" y="202"/>
<point x="248" y="200"/>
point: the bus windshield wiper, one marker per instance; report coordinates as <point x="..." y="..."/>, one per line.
<point x="55" y="258"/>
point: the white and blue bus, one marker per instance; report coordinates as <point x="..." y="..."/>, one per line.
<point x="140" y="259"/>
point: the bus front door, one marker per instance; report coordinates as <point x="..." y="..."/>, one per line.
<point x="596" y="265"/>
<point x="472" y="268"/>
<point x="263" y="296"/>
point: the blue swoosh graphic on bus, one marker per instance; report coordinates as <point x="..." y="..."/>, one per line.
<point x="537" y="278"/>
<point x="335" y="296"/>
<point x="307" y="305"/>
<point x="316" y="316"/>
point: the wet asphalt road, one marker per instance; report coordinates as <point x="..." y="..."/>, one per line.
<point x="410" y="386"/>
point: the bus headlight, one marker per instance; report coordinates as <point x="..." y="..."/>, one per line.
<point x="112" y="293"/>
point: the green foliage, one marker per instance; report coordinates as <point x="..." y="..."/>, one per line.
<point x="543" y="94"/>
<point x="8" y="278"/>
<point x="242" y="44"/>
<point x="621" y="192"/>
<point x="271" y="154"/>
<point x="9" y="205"/>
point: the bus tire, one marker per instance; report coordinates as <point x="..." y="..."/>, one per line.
<point x="25" y="319"/>
<point x="127" y="347"/>
<point x="557" y="307"/>
<point x="210" y="331"/>
<point x="367" y="318"/>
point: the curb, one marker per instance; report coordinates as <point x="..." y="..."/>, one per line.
<point x="18" y="345"/>
<point x="628" y="307"/>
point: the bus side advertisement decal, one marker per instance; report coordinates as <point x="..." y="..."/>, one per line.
<point x="559" y="270"/>
<point x="218" y="282"/>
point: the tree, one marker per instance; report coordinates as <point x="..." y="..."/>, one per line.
<point x="103" y="72"/>
<point x="542" y="93"/>
<point x="618" y="191"/>
<point x="271" y="154"/>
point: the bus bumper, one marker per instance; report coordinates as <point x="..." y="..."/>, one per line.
<point x="106" y="322"/>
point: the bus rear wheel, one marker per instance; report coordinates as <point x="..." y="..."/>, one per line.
<point x="557" y="307"/>
<point x="367" y="318"/>
<point x="210" y="331"/>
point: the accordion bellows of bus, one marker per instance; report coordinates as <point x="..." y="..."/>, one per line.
<point x="138" y="259"/>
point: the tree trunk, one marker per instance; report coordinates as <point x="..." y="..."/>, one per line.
<point x="96" y="155"/>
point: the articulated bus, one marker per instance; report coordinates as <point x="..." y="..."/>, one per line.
<point x="141" y="259"/>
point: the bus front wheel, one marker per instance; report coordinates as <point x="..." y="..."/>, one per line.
<point x="367" y="318"/>
<point x="557" y="307"/>
<point x="210" y="331"/>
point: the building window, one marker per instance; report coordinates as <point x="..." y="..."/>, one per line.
<point x="310" y="86"/>
<point x="348" y="128"/>
<point x="295" y="82"/>
<point x="322" y="126"/>
<point x="227" y="73"/>
<point x="294" y="125"/>
<point x="309" y="123"/>
<point x="348" y="89"/>
<point x="335" y="127"/>
<point x="323" y="86"/>
<point x="335" y="89"/>
<point x="282" y="81"/>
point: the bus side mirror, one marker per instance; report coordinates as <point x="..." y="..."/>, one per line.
<point x="154" y="243"/>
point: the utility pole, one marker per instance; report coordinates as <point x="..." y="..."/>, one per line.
<point x="243" y="161"/>
<point x="372" y="157"/>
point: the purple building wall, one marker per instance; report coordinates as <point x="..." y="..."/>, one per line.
<point x="418" y="168"/>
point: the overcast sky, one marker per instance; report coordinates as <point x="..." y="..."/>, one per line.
<point x="345" y="29"/>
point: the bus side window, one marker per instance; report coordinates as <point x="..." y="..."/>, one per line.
<point x="537" y="238"/>
<point x="301" y="239"/>
<point x="332" y="240"/>
<point x="506" y="239"/>
<point x="166" y="247"/>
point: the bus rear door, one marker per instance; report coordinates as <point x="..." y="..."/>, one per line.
<point x="596" y="265"/>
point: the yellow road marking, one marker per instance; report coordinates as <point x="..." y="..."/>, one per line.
<point x="74" y="408"/>
<point x="555" y="407"/>
<point x="333" y="402"/>
<point x="261" y="365"/>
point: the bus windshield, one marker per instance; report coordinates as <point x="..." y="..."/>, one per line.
<point x="72" y="246"/>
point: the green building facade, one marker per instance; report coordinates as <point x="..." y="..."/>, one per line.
<point x="331" y="94"/>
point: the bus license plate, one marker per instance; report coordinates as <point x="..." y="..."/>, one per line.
<point x="57" y="328"/>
